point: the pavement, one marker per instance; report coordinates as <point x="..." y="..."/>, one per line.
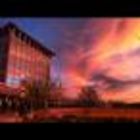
<point x="10" y="118"/>
<point x="68" y="114"/>
<point x="92" y="114"/>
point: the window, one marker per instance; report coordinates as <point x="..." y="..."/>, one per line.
<point x="17" y="33"/>
<point x="13" y="80"/>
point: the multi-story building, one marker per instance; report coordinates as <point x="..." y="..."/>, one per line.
<point x="22" y="57"/>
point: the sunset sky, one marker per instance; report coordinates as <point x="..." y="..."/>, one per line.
<point x="87" y="47"/>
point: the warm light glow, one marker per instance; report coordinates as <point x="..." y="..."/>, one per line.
<point x="116" y="52"/>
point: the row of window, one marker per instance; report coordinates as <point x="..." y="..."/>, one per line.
<point x="26" y="73"/>
<point x="13" y="80"/>
<point x="27" y="67"/>
<point x="22" y="49"/>
<point x="24" y="64"/>
<point x="17" y="80"/>
<point x="23" y="38"/>
<point x="28" y="58"/>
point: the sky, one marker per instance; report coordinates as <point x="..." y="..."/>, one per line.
<point x="50" y="32"/>
<point x="103" y="52"/>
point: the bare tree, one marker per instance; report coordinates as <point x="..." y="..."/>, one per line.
<point x="89" y="96"/>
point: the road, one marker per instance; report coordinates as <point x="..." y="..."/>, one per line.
<point x="92" y="114"/>
<point x="73" y="114"/>
<point x="10" y="118"/>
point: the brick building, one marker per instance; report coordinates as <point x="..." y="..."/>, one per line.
<point x="22" y="57"/>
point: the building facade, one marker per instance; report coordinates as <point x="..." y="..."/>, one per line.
<point x="22" y="58"/>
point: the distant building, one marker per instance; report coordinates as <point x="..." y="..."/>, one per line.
<point x="22" y="57"/>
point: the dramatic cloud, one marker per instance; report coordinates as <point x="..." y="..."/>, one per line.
<point x="107" y="45"/>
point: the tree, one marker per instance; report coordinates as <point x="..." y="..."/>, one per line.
<point x="56" y="91"/>
<point x="44" y="88"/>
<point x="31" y="89"/>
<point x="89" y="96"/>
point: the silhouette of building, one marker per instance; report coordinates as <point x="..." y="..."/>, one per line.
<point x="22" y="57"/>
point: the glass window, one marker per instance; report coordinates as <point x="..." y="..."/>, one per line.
<point x="13" y="80"/>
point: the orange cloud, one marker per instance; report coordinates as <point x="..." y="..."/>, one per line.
<point x="109" y="52"/>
